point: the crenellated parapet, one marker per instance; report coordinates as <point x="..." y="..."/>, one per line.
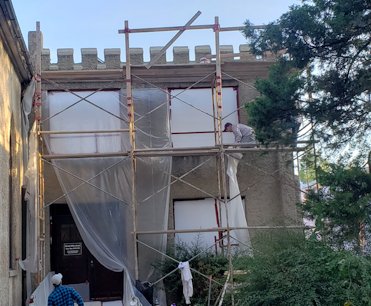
<point x="112" y="57"/>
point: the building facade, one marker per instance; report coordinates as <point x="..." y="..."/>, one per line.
<point x="15" y="75"/>
<point x="176" y="167"/>
<point x="268" y="185"/>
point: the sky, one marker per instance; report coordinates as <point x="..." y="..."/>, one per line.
<point x="94" y="24"/>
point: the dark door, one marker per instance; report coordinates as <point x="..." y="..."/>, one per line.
<point x="71" y="257"/>
<point x="104" y="284"/>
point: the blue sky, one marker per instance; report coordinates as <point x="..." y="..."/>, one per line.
<point x="94" y="24"/>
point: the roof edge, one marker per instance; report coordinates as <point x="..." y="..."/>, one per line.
<point x="11" y="36"/>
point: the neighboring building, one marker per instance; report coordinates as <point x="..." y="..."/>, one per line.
<point x="15" y="75"/>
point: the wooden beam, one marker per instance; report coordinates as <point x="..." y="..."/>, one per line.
<point x="194" y="27"/>
<point x="83" y="132"/>
<point x="205" y="151"/>
<point x="221" y="229"/>
<point x="169" y="29"/>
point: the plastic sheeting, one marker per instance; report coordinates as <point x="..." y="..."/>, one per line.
<point x="98" y="190"/>
<point x="41" y="294"/>
<point x="30" y="263"/>
<point x="26" y="111"/>
<point x="236" y="211"/>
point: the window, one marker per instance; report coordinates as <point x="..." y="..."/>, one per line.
<point x="192" y="123"/>
<point x="186" y="218"/>
<point x="206" y="214"/>
<point x="71" y="113"/>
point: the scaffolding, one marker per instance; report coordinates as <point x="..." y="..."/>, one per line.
<point x="219" y="152"/>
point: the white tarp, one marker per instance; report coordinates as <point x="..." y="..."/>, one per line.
<point x="236" y="210"/>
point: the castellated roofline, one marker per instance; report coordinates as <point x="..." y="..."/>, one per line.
<point x="112" y="57"/>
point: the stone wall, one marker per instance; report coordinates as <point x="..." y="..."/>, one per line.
<point x="10" y="217"/>
<point x="266" y="180"/>
<point x="259" y="214"/>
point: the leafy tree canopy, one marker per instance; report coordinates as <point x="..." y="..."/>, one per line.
<point x="341" y="207"/>
<point x="327" y="44"/>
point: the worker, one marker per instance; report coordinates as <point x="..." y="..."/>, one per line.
<point x="242" y="133"/>
<point x="62" y="295"/>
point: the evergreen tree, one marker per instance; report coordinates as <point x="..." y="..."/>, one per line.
<point x="341" y="207"/>
<point x="328" y="44"/>
<point x="274" y="114"/>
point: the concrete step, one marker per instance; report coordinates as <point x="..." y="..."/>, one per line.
<point x="97" y="303"/>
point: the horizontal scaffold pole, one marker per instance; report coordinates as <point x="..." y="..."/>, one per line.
<point x="221" y="229"/>
<point x="205" y="151"/>
<point x="192" y="27"/>
<point x="83" y="132"/>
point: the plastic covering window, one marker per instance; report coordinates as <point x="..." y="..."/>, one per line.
<point x="99" y="189"/>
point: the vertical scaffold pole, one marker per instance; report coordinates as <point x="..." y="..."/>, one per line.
<point x="217" y="164"/>
<point x="219" y="105"/>
<point x="40" y="181"/>
<point x="130" y="107"/>
<point x="218" y="87"/>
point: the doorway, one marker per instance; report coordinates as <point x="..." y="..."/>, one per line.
<point x="71" y="257"/>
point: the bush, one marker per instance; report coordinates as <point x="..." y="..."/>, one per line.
<point x="206" y="263"/>
<point x="288" y="270"/>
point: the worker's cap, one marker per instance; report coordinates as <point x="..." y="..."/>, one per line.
<point x="227" y="125"/>
<point x="57" y="279"/>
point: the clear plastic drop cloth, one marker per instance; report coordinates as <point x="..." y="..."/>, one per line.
<point x="30" y="263"/>
<point x="40" y="296"/>
<point x="236" y="211"/>
<point x="27" y="101"/>
<point x="99" y="189"/>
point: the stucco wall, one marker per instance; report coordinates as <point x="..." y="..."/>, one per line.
<point x="10" y="97"/>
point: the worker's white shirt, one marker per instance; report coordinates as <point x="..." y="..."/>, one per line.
<point x="243" y="133"/>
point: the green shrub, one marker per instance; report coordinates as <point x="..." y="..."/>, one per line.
<point x="288" y="270"/>
<point x="207" y="263"/>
